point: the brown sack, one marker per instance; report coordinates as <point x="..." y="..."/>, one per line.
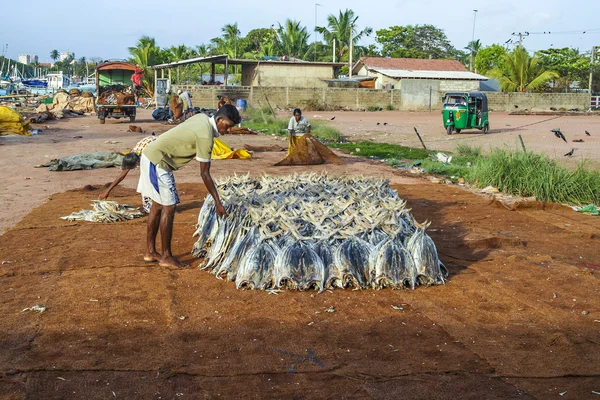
<point x="309" y="151"/>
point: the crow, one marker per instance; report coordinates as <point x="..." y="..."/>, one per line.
<point x="385" y="123"/>
<point x="378" y="123"/>
<point x="332" y="118"/>
<point x="153" y="134"/>
<point x="552" y="108"/>
<point x="516" y="106"/>
<point x="587" y="133"/>
<point x="569" y="154"/>
<point x="559" y="134"/>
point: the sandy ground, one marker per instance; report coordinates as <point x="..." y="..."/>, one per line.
<point x="519" y="317"/>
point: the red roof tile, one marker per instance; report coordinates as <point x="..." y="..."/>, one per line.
<point x="416" y="64"/>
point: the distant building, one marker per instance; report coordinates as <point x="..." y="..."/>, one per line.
<point x="65" y="54"/>
<point x="28" y="58"/>
<point x="448" y="75"/>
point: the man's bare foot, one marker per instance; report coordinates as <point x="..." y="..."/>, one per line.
<point x="149" y="257"/>
<point x="171" y="262"/>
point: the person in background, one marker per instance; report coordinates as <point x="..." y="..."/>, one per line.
<point x="193" y="139"/>
<point x="297" y="127"/>
<point x="130" y="161"/>
<point x="186" y="98"/>
<point x="136" y="80"/>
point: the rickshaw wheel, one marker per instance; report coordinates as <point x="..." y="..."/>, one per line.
<point x="449" y="130"/>
<point x="486" y="129"/>
<point x="458" y="131"/>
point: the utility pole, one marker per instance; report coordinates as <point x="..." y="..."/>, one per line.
<point x="350" y="64"/>
<point x="592" y="67"/>
<point x="472" y="41"/>
<point x="315" y="33"/>
<point x="520" y="35"/>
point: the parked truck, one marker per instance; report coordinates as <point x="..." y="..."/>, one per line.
<point x="114" y="91"/>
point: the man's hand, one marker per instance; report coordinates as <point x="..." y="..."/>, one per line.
<point x="103" y="196"/>
<point x="220" y="210"/>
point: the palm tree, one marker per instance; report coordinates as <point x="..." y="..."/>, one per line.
<point x="474" y="47"/>
<point x="340" y="29"/>
<point x="54" y="54"/>
<point x="292" y="39"/>
<point x="522" y="72"/>
<point x="146" y="54"/>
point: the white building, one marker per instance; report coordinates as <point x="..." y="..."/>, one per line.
<point x="28" y="58"/>
<point x="65" y="54"/>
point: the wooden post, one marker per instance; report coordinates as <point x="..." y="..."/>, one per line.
<point x="226" y="75"/>
<point x="419" y="136"/>
<point x="522" y="144"/>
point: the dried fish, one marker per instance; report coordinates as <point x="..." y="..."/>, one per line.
<point x="309" y="231"/>
<point x="106" y="211"/>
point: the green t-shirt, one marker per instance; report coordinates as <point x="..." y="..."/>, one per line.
<point x="178" y="146"/>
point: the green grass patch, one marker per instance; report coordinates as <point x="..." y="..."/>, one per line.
<point x="530" y="174"/>
<point x="464" y="150"/>
<point x="383" y="150"/>
<point x="262" y="121"/>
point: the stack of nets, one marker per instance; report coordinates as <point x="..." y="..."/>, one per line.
<point x="106" y="211"/>
<point x="315" y="232"/>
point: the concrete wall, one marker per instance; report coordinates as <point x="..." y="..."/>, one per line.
<point x="291" y="75"/>
<point x="414" y="95"/>
<point x="499" y="101"/>
<point x="420" y="94"/>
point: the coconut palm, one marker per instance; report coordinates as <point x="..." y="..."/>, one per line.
<point x="339" y="29"/>
<point x="474" y="46"/>
<point x="522" y="73"/>
<point x="146" y="53"/>
<point x="292" y="39"/>
<point x="54" y="54"/>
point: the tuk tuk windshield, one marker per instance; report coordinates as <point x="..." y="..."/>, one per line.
<point x="455" y="101"/>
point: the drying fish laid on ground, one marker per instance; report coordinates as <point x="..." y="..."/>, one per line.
<point x="106" y="211"/>
<point x="313" y="231"/>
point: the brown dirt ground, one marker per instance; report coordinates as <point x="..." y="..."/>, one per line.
<point x="517" y="319"/>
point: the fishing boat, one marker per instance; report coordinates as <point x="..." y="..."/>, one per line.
<point x="35" y="83"/>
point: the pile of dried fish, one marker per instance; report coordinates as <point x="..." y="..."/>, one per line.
<point x="106" y="211"/>
<point x="315" y="232"/>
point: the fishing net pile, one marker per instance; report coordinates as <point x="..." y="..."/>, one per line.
<point x="315" y="232"/>
<point x="106" y="211"/>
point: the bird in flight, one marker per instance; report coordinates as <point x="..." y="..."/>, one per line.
<point x="587" y="133"/>
<point x="559" y="134"/>
<point x="569" y="154"/>
<point x="332" y="118"/>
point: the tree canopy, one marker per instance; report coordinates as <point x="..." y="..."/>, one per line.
<point x="418" y="41"/>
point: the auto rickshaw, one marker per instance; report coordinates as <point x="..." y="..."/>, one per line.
<point x="465" y="110"/>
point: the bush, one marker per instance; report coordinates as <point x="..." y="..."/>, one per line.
<point x="530" y="174"/>
<point x="389" y="107"/>
<point x="373" y="108"/>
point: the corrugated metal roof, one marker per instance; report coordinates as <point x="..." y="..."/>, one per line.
<point x="420" y="74"/>
<point x="411" y="64"/>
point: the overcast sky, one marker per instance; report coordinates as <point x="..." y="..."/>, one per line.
<point x="106" y="28"/>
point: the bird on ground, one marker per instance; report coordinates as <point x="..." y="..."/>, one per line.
<point x="332" y="118"/>
<point x="516" y="106"/>
<point x="552" y="108"/>
<point x="153" y="134"/>
<point x="378" y="123"/>
<point x="385" y="123"/>
<point x="587" y="133"/>
<point x="578" y="140"/>
<point x="558" y="134"/>
<point x="569" y="154"/>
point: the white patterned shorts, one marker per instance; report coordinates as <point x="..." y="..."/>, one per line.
<point x="157" y="184"/>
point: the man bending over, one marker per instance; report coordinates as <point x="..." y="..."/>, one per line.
<point x="171" y="151"/>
